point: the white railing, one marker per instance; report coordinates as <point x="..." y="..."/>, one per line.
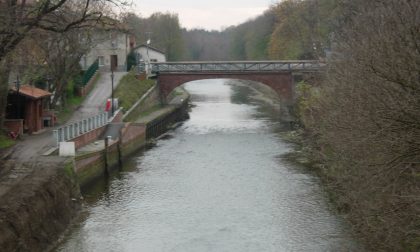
<point x="73" y="130"/>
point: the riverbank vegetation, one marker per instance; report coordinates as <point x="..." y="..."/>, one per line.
<point x="360" y="124"/>
<point x="130" y="90"/>
<point x="5" y="141"/>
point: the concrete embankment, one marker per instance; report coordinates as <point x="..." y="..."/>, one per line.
<point x="122" y="139"/>
<point x="38" y="201"/>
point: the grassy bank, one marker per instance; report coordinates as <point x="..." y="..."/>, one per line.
<point x="130" y="90"/>
<point x="5" y="142"/>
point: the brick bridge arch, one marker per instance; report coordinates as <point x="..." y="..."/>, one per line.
<point x="280" y="82"/>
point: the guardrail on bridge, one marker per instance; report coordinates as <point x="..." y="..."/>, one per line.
<point x="237" y="66"/>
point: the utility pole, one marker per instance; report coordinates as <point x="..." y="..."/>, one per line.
<point x="147" y="51"/>
<point x="17" y="82"/>
<point x="113" y="64"/>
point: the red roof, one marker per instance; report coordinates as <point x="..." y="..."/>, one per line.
<point x="32" y="92"/>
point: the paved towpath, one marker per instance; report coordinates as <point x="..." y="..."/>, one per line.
<point x="95" y="101"/>
<point x="34" y="146"/>
<point x="23" y="160"/>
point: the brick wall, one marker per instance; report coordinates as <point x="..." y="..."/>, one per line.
<point x="88" y="137"/>
<point x="15" y="125"/>
<point x="118" y="117"/>
<point x="281" y="83"/>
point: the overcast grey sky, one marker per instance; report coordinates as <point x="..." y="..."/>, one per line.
<point x="210" y="14"/>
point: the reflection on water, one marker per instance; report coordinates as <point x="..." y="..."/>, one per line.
<point x="216" y="185"/>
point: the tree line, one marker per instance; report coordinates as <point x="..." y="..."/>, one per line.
<point x="287" y="30"/>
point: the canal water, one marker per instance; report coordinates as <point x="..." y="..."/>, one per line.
<point x="216" y="183"/>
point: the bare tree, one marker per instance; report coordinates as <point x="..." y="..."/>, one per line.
<point x="366" y="121"/>
<point x="18" y="18"/>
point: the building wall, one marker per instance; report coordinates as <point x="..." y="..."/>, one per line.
<point x="33" y="116"/>
<point x="150" y="55"/>
<point x="14" y="125"/>
<point x="109" y="43"/>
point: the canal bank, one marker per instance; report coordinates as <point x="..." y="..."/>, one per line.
<point x="39" y="198"/>
<point x="216" y="183"/>
<point x="121" y="139"/>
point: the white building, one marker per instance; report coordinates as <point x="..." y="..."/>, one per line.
<point x="147" y="54"/>
<point x="111" y="49"/>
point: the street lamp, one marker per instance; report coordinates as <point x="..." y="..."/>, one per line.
<point x="48" y="78"/>
<point x="113" y="62"/>
<point x="112" y="90"/>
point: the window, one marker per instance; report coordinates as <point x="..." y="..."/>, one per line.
<point x="114" y="44"/>
<point x="101" y="60"/>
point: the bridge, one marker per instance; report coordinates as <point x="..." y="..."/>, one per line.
<point x="276" y="74"/>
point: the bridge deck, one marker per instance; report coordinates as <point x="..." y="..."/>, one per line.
<point x="236" y="66"/>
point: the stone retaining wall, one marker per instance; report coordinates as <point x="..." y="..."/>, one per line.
<point x="93" y="165"/>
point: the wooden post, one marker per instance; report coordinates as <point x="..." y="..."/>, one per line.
<point x="106" y="156"/>
<point x="119" y="149"/>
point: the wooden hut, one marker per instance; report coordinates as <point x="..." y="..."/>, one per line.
<point x="30" y="106"/>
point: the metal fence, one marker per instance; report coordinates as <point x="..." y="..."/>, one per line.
<point x="90" y="72"/>
<point x="237" y="66"/>
<point x="76" y="129"/>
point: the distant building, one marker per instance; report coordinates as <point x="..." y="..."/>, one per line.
<point x="111" y="50"/>
<point x="147" y="54"/>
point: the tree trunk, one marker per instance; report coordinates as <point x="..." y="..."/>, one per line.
<point x="4" y="89"/>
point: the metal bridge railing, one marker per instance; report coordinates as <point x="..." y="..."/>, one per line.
<point x="73" y="130"/>
<point x="238" y="66"/>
